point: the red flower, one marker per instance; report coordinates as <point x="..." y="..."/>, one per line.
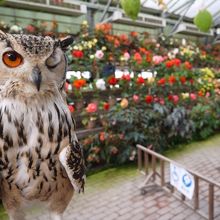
<point x="71" y="108"/>
<point x="78" y="83"/>
<point x="161" y="82"/>
<point x="182" y="79"/>
<point x="191" y="81"/>
<point x="172" y="79"/>
<point x="176" y="62"/>
<point x="169" y="64"/>
<point x="77" y="54"/>
<point x="140" y="80"/>
<point x="173" y="62"/>
<point x="138" y="58"/>
<point x="188" y="65"/>
<point x="112" y="81"/>
<point x="126" y="77"/>
<point x="149" y="99"/>
<point x="106" y="106"/>
<point x="170" y="97"/>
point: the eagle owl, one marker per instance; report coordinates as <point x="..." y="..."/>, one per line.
<point x="40" y="158"/>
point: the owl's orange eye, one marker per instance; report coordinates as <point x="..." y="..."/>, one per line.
<point x="12" y="59"/>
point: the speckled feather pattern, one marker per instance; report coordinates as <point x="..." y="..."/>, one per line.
<point x="34" y="128"/>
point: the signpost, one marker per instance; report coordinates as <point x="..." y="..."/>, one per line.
<point x="182" y="180"/>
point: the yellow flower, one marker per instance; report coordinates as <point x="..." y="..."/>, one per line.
<point x="104" y="48"/>
<point x="124" y="103"/>
<point x="151" y="80"/>
<point x="85" y="23"/>
<point x="185" y="95"/>
<point x="95" y="40"/>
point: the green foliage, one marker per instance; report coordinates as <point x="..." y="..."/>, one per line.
<point x="131" y="8"/>
<point x="203" y="20"/>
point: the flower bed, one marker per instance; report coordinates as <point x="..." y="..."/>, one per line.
<point x="160" y="93"/>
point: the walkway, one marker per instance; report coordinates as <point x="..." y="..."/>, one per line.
<point x="114" y="194"/>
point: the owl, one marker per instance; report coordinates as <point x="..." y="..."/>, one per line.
<point x="41" y="160"/>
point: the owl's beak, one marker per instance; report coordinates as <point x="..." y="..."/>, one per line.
<point x="36" y="77"/>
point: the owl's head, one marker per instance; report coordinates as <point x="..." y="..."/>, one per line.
<point x="36" y="60"/>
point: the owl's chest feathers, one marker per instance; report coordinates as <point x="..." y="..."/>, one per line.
<point x="31" y="138"/>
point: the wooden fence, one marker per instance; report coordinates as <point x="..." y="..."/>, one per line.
<point x="152" y="165"/>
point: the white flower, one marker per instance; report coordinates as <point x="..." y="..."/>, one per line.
<point x="69" y="74"/>
<point x="99" y="54"/>
<point x="15" y="28"/>
<point x="104" y="48"/>
<point x="92" y="57"/>
<point x="183" y="41"/>
<point x="75" y="47"/>
<point x="176" y="51"/>
<point x="100" y="84"/>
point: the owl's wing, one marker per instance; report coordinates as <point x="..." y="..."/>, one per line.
<point x="72" y="159"/>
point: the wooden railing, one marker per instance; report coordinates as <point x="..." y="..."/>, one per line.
<point x="153" y="164"/>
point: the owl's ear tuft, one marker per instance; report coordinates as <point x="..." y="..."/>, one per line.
<point x="2" y="34"/>
<point x="64" y="43"/>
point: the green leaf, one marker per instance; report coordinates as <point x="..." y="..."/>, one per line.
<point x="203" y="20"/>
<point x="131" y="8"/>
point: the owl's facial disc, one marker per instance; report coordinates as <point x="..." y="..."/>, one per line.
<point x="36" y="77"/>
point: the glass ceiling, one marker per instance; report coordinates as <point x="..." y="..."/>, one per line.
<point x="189" y="8"/>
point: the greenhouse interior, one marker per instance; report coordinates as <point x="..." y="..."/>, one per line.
<point x="110" y="109"/>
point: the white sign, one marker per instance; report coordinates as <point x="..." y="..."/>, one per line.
<point x="182" y="180"/>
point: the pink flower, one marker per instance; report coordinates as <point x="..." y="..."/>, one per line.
<point x="175" y="99"/>
<point x="207" y="94"/>
<point x="157" y="59"/>
<point x="193" y="96"/>
<point x="126" y="56"/>
<point x="135" y="98"/>
<point x="99" y="54"/>
<point x="92" y="107"/>
<point x="162" y="102"/>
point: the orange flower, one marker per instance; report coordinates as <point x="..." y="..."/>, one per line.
<point x="134" y="34"/>
<point x="78" y="83"/>
<point x="172" y="79"/>
<point x="102" y="136"/>
<point x="105" y="28"/>
<point x="138" y="58"/>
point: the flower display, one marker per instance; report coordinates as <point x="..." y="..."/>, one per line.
<point x="149" y="99"/>
<point x="100" y="84"/>
<point x="91" y="108"/>
<point x="124" y="103"/>
<point x="157" y="59"/>
<point x="140" y="80"/>
<point x="112" y="81"/>
<point x="77" y="54"/>
<point x="99" y="54"/>
<point x="79" y="83"/>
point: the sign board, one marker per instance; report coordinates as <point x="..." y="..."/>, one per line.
<point x="182" y="180"/>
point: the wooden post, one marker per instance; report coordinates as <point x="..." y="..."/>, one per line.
<point x="146" y="162"/>
<point x="139" y="159"/>
<point x="162" y="172"/>
<point x="211" y="201"/>
<point x="154" y="166"/>
<point x="196" y="193"/>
